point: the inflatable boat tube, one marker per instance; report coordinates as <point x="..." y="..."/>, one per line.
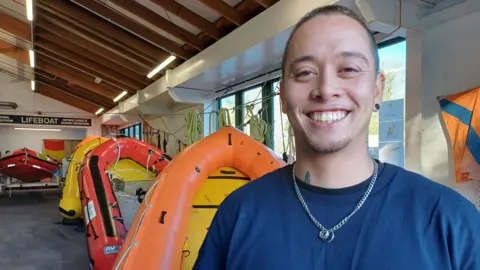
<point x="70" y="206"/>
<point x="105" y="230"/>
<point x="157" y="237"/>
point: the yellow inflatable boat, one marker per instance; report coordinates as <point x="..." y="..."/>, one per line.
<point x="70" y="206"/>
<point x="125" y="169"/>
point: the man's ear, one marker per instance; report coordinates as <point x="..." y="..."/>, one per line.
<point x="379" y="88"/>
<point x="282" y="94"/>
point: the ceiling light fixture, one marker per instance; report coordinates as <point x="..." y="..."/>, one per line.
<point x="161" y="66"/>
<point x="39" y="129"/>
<point x="99" y="111"/>
<point x="29" y="10"/>
<point x="120" y="96"/>
<point x="33" y="85"/>
<point x="31" y="53"/>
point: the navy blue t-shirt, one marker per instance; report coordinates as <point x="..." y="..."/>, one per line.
<point x="408" y="222"/>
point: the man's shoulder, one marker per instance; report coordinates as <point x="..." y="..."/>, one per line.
<point x="445" y="199"/>
<point x="265" y="186"/>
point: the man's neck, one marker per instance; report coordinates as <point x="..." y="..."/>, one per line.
<point x="335" y="170"/>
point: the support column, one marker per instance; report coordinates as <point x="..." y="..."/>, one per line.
<point x="413" y="102"/>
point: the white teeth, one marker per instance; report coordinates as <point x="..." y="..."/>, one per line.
<point x="328" y="117"/>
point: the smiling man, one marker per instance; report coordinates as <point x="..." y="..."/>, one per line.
<point x="336" y="207"/>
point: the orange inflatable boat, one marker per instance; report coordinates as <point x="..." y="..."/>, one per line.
<point x="103" y="221"/>
<point x="157" y="237"/>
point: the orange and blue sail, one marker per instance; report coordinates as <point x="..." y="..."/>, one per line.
<point x="461" y="116"/>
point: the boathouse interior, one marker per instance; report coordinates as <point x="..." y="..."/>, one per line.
<point x="170" y="73"/>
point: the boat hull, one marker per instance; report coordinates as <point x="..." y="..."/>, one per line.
<point x="27" y="166"/>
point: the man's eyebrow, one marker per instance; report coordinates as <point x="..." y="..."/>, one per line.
<point x="352" y="54"/>
<point x="302" y="58"/>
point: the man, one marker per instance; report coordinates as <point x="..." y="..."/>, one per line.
<point x="336" y="208"/>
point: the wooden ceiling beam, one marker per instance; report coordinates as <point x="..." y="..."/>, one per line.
<point x="248" y="9"/>
<point x="61" y="85"/>
<point x="66" y="98"/>
<point x="73" y="79"/>
<point x="108" y="29"/>
<point x="226" y="11"/>
<point x="266" y="3"/>
<point x="66" y="44"/>
<point x="82" y="75"/>
<point x="80" y="62"/>
<point x="108" y="103"/>
<point x="138" y="29"/>
<point x="94" y="34"/>
<point x="160" y="22"/>
<point x="190" y="17"/>
<point x="91" y="46"/>
<point x="81" y="93"/>
<point x="117" y="49"/>
<point x="15" y="27"/>
<point x="14" y="52"/>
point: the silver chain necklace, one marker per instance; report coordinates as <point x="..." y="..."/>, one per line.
<point x="325" y="234"/>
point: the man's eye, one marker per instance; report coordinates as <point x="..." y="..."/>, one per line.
<point x="303" y="73"/>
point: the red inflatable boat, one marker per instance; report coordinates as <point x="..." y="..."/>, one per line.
<point x="28" y="166"/>
<point x="103" y="221"/>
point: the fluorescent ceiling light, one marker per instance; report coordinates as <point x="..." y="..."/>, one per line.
<point x="30" y="10"/>
<point x="31" y="53"/>
<point x="161" y="66"/>
<point x="39" y="129"/>
<point x="33" y="85"/>
<point x="99" y="111"/>
<point x="120" y="96"/>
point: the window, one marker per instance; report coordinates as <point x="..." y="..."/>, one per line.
<point x="229" y="103"/>
<point x="137" y="132"/>
<point x="386" y="130"/>
<point x="134" y="131"/>
<point x="385" y="140"/>
<point x="280" y="124"/>
<point x="251" y="97"/>
<point x="260" y="96"/>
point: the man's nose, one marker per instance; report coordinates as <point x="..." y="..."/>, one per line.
<point x="326" y="86"/>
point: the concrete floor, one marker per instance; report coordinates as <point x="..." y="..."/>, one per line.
<point x="30" y="239"/>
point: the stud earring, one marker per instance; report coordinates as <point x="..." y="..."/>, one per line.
<point x="377" y="107"/>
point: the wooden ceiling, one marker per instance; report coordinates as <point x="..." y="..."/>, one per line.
<point x="87" y="52"/>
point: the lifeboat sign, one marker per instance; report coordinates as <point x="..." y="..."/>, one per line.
<point x="44" y="120"/>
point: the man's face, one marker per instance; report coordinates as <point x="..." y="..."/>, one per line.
<point x="330" y="86"/>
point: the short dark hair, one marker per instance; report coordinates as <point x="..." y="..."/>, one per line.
<point x="333" y="10"/>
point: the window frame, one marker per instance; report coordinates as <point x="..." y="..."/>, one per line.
<point x="267" y="106"/>
<point x="268" y="114"/>
<point x="130" y="131"/>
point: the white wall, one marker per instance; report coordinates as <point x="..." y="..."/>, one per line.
<point x="12" y="139"/>
<point x="451" y="64"/>
<point x="29" y="103"/>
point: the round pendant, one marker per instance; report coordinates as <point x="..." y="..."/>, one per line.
<point x="326" y="235"/>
